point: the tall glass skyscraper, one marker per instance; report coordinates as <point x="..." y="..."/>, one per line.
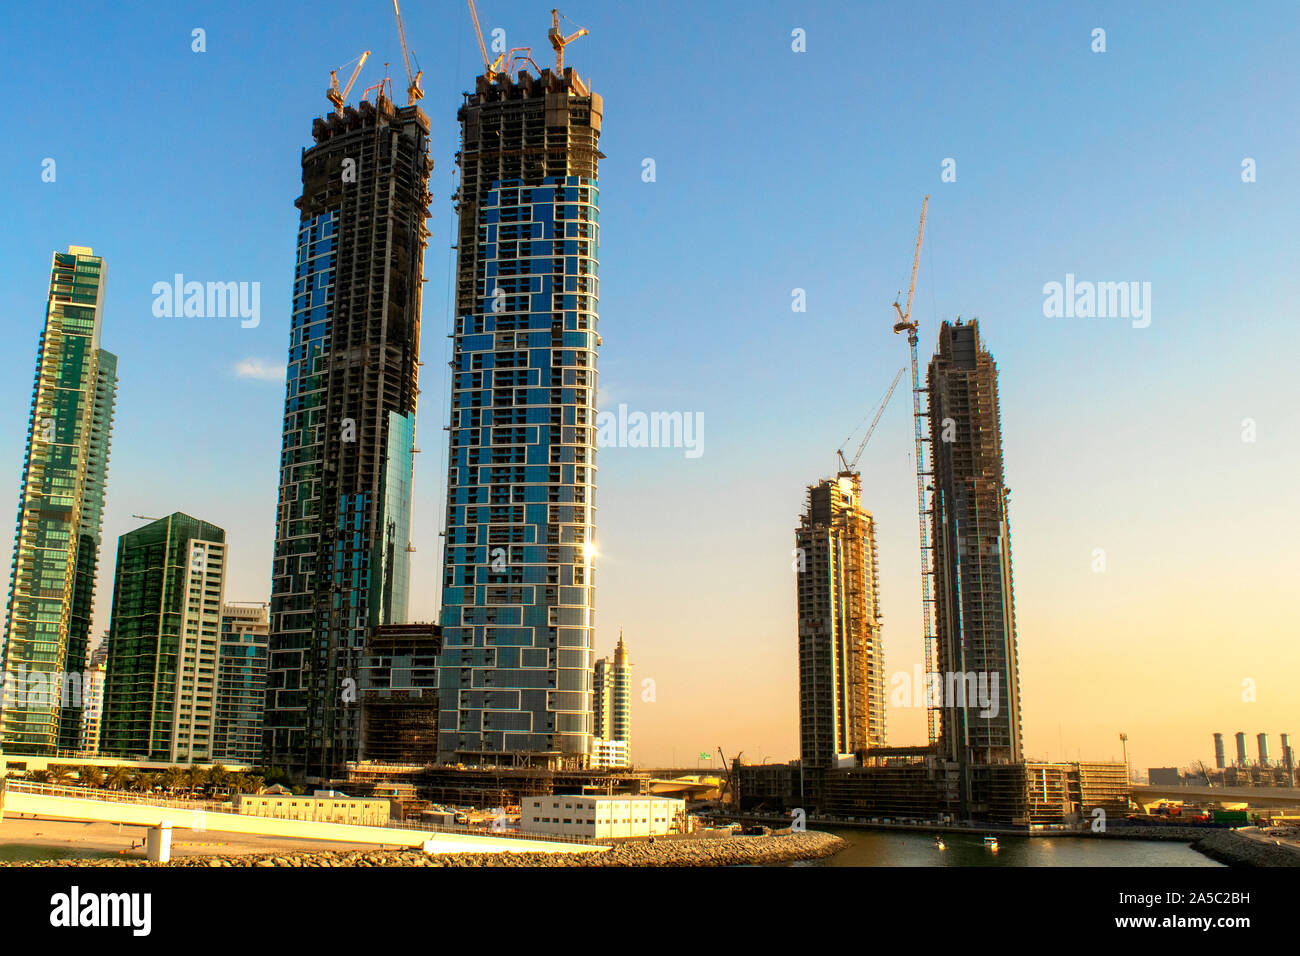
<point x="515" y="675"/>
<point x="60" y="514"/>
<point x="975" y="624"/>
<point x="343" y="521"/>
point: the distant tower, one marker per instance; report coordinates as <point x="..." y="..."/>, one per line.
<point x="61" y="500"/>
<point x="612" y="697"/>
<point x="975" y="625"/>
<point x="1220" y="759"/>
<point x="1261" y="742"/>
<point x="1288" y="755"/>
<point x="1241" y="749"/>
<point x="241" y="683"/>
<point x="621" y="725"/>
<point x="841" y="666"/>
<point x="93" y="697"/>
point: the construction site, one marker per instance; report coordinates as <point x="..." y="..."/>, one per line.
<point x="972" y="768"/>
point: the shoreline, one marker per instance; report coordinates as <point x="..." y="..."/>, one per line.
<point x="733" y="851"/>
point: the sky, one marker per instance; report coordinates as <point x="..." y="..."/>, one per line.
<point x="1154" y="506"/>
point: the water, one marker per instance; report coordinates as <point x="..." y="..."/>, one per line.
<point x="880" y="848"/>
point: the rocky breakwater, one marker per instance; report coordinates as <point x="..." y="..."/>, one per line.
<point x="734" y="851"/>
<point x="1239" y="849"/>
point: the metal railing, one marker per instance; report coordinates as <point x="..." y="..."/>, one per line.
<point x="116" y="796"/>
<point x="216" y="806"/>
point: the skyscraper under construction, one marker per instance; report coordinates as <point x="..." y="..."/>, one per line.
<point x="515" y="673"/>
<point x="975" y="624"/>
<point x="841" y="665"/>
<point x="344" y="516"/>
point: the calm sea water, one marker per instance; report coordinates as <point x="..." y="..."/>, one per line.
<point x="877" y="848"/>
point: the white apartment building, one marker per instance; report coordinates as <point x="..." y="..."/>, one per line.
<point x="601" y="817"/>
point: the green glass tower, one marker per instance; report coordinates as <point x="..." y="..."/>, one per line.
<point x="161" y="684"/>
<point x="56" y="549"/>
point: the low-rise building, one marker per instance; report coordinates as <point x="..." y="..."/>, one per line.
<point x="609" y="754"/>
<point x="603" y="817"/>
<point x="334" y="808"/>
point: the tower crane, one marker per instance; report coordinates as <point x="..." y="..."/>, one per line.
<point x="850" y="466"/>
<point x="907" y="324"/>
<point x="413" y="91"/>
<point x="489" y="66"/>
<point x="337" y="96"/>
<point x="559" y="41"/>
<point x="493" y="68"/>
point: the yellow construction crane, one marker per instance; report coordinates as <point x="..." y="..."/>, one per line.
<point x="516" y="56"/>
<point x="559" y="41"/>
<point x="489" y="66"/>
<point x="337" y="96"/>
<point x="851" y="466"/>
<point x="413" y="91"/>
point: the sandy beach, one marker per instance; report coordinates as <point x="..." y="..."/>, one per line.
<point x="76" y="836"/>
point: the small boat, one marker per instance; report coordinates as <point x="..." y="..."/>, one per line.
<point x="991" y="843"/>
<point x="939" y="844"/>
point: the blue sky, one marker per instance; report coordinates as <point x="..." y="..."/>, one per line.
<point x="775" y="170"/>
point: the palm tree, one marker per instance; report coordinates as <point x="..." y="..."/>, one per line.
<point x="38" y="776"/>
<point x="253" y="783"/>
<point x="196" y="777"/>
<point x="145" y="782"/>
<point x="173" y="778"/>
<point x="60" y="774"/>
<point x="218" y="775"/>
<point x="91" y="776"/>
<point x="117" y="778"/>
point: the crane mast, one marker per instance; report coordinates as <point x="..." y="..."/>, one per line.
<point x="559" y="41"/>
<point x="907" y="324"/>
<point x="414" y="93"/>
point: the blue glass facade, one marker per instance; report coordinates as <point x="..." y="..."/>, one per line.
<point x="518" y="588"/>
